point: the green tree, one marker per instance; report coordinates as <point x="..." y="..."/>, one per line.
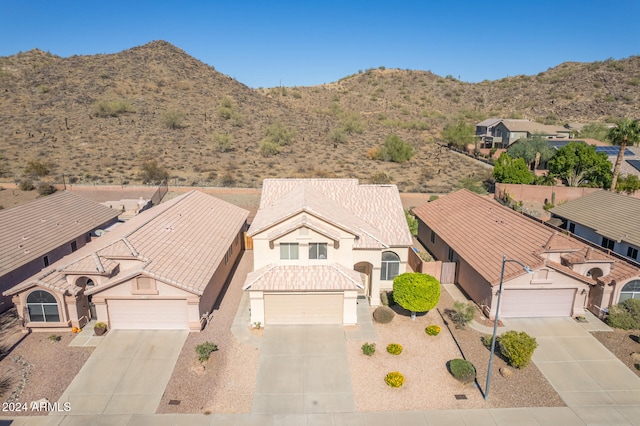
<point x="626" y="132"/>
<point x="512" y="170"/>
<point x="628" y="184"/>
<point x="395" y="149"/>
<point x="533" y="150"/>
<point x="416" y="292"/>
<point x="580" y="165"/>
<point x="459" y="133"/>
<point x="596" y="131"/>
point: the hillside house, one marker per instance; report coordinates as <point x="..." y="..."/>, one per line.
<point x="500" y="133"/>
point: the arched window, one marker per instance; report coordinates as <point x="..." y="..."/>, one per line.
<point x="42" y="307"/>
<point x="630" y="291"/>
<point x="594" y="273"/>
<point x="390" y="266"/>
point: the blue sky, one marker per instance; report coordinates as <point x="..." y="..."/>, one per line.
<point x="268" y="43"/>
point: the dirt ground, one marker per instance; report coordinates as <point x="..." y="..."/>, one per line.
<point x="622" y="343"/>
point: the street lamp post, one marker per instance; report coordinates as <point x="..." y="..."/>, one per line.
<point x="495" y="320"/>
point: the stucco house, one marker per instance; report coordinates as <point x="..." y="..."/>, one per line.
<point x="319" y="244"/>
<point x="500" y="133"/>
<point x="605" y="218"/>
<point x="34" y="235"/>
<point x="568" y="277"/>
<point x="162" y="269"/>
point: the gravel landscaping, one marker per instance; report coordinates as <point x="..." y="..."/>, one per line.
<point x="623" y="344"/>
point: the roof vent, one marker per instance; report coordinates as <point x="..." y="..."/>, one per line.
<point x="99" y="232"/>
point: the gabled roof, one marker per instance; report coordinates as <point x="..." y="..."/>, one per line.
<point x="533" y="127"/>
<point x="609" y="214"/>
<point x="373" y="213"/>
<point x="481" y="231"/>
<point x="180" y="242"/>
<point x="333" y="277"/>
<point x="489" y="122"/>
<point x="33" y="229"/>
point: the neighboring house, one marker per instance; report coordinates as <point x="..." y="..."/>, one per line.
<point x="34" y="235"/>
<point x="162" y="269"/>
<point x="319" y="244"/>
<point x="500" y="133"/>
<point x="569" y="275"/>
<point x="605" y="218"/>
<point x="129" y="207"/>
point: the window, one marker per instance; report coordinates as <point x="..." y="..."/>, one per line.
<point x="42" y="307"/>
<point x="632" y="253"/>
<point x="451" y="254"/>
<point x="390" y="266"/>
<point x="630" y="291"/>
<point x="46" y="261"/>
<point x="288" y="251"/>
<point x="317" y="250"/>
<point x="74" y="246"/>
<point x="572" y="228"/>
<point x="433" y="237"/>
<point x="607" y="243"/>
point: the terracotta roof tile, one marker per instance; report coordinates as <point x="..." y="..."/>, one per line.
<point x="333" y="277"/>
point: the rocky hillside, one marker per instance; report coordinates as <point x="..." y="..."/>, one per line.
<point x="99" y="118"/>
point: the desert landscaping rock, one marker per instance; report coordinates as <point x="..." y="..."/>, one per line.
<point x="506" y="372"/>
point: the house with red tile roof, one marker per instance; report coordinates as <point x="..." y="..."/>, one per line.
<point x="162" y="269"/>
<point x="568" y="277"/>
<point x="319" y="244"/>
<point x="36" y="234"/>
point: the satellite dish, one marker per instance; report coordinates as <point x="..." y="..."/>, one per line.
<point x="99" y="232"/>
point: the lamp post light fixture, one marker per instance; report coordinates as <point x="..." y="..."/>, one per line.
<point x="528" y="270"/>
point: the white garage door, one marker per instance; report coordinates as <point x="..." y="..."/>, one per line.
<point x="303" y="308"/>
<point x="148" y="314"/>
<point x="537" y="303"/>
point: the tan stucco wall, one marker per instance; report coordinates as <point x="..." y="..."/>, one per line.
<point x="20" y="301"/>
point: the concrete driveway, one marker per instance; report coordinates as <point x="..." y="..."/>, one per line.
<point x="590" y="379"/>
<point x="303" y="370"/>
<point x="126" y="374"/>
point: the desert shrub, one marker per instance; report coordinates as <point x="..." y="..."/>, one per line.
<point x="412" y="222"/>
<point x="112" y="108"/>
<point x="395" y="150"/>
<point x="517" y="347"/>
<point x="277" y="133"/>
<point x="625" y="315"/>
<point x="416" y="292"/>
<point x="6" y="383"/>
<point x="173" y="119"/>
<point x="395" y="379"/>
<point x="433" y="198"/>
<point x="352" y="123"/>
<point x="381" y="178"/>
<point x="462" y="370"/>
<point x="153" y="173"/>
<point x="222" y="141"/>
<point x="337" y="136"/>
<point x="204" y="350"/>
<point x="55" y="337"/>
<point x="368" y="348"/>
<point x="486" y="340"/>
<point x="45" y="188"/>
<point x="26" y="185"/>
<point x="383" y="314"/>
<point x="394" y="348"/>
<point x="37" y="168"/>
<point x="268" y="148"/>
<point x="433" y="330"/>
<point x="461" y="314"/>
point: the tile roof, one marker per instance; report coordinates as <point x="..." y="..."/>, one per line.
<point x="481" y="231"/>
<point x="372" y="212"/>
<point x="33" y="229"/>
<point x="181" y="242"/>
<point x="488" y="122"/>
<point x="611" y="215"/>
<point x="533" y="127"/>
<point x="331" y="277"/>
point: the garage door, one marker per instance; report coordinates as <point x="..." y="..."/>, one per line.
<point x="537" y="303"/>
<point x="303" y="308"/>
<point x="148" y="314"/>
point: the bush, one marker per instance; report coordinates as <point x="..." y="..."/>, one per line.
<point x="462" y="370"/>
<point x="486" y="340"/>
<point x="395" y="150"/>
<point x="153" y="173"/>
<point x="383" y="314"/>
<point x="416" y="292"/>
<point x="395" y="379"/>
<point x="268" y="148"/>
<point x="173" y="119"/>
<point x="381" y="178"/>
<point x="517" y="347"/>
<point x="279" y="135"/>
<point x="433" y="330"/>
<point x="37" y="168"/>
<point x="625" y="315"/>
<point x="368" y="348"/>
<point x="222" y="141"/>
<point x="112" y="108"/>
<point x="46" y="188"/>
<point x="394" y="348"/>
<point x="26" y="185"/>
<point x="204" y="350"/>
<point x="461" y="314"/>
<point x="337" y="136"/>
<point x="55" y="338"/>
<point x="100" y="324"/>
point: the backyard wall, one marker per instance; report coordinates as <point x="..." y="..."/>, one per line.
<point x="540" y="194"/>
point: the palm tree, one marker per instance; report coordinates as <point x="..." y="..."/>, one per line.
<point x="626" y="132"/>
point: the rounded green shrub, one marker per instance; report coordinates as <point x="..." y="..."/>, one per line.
<point x="517" y="347"/>
<point x="394" y="348"/>
<point x="204" y="350"/>
<point x="416" y="292"/>
<point x="383" y="314"/>
<point x="395" y="379"/>
<point x="433" y="330"/>
<point x="625" y="315"/>
<point x="462" y="370"/>
<point x="368" y="348"/>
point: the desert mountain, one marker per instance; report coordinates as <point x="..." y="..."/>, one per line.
<point x="98" y="118"/>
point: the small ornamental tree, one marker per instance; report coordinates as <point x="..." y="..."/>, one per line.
<point x="416" y="292"/>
